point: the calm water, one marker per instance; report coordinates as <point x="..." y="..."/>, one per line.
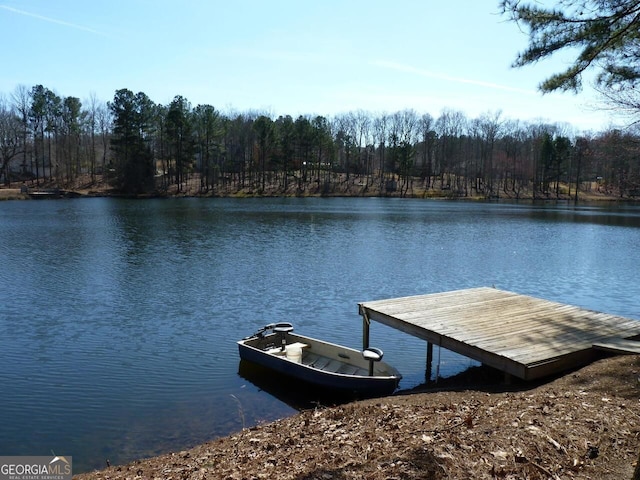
<point x="119" y="318"/>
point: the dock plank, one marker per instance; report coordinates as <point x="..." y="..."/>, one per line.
<point x="520" y="334"/>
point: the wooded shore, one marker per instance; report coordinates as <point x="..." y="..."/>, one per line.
<point x="355" y="186"/>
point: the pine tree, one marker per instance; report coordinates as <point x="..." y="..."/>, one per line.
<point x="605" y="33"/>
<point x="132" y="133"/>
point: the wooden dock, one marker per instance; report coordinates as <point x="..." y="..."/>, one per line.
<point x="520" y="335"/>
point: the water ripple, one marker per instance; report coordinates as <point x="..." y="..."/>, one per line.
<point x="121" y="316"/>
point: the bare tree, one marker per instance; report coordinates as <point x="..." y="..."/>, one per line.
<point x="10" y="138"/>
<point x="490" y="125"/>
<point x="21" y="98"/>
<point x="346" y="132"/>
<point x="428" y="137"/>
<point x="105" y="126"/>
<point x="380" y="136"/>
<point x="362" y="132"/>
<point x="450" y="126"/>
<point x="512" y="144"/>
<point x="91" y="113"/>
<point x="403" y="136"/>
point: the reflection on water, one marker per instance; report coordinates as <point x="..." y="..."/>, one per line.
<point x="118" y="330"/>
<point x="298" y="395"/>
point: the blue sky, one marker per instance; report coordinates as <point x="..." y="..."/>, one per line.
<point x="287" y="57"/>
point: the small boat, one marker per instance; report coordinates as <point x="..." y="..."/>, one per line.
<point x="320" y="363"/>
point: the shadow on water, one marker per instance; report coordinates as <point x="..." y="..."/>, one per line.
<point x="480" y="377"/>
<point x="487" y="379"/>
<point x="297" y="394"/>
<point x="305" y="396"/>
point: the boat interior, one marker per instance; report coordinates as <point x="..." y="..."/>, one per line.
<point x="323" y="356"/>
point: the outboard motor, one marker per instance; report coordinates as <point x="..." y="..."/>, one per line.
<point x="373" y="355"/>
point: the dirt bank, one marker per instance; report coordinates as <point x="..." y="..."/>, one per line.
<point x="585" y="424"/>
<point x="12" y="194"/>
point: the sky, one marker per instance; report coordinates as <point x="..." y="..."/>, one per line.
<point x="282" y="57"/>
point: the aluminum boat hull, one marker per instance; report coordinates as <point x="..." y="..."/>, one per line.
<point x="320" y="363"/>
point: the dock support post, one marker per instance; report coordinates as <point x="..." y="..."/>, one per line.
<point x="365" y="330"/>
<point x="427" y="374"/>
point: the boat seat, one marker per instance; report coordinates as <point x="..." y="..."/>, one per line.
<point x="283" y="328"/>
<point x="372" y="354"/>
<point x="275" y="351"/>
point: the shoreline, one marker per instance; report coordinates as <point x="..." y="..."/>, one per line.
<point x="357" y="186"/>
<point x="19" y="194"/>
<point x="583" y="424"/>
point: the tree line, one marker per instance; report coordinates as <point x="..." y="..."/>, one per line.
<point x="142" y="147"/>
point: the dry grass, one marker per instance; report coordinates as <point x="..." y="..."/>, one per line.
<point x="11" y="194"/>
<point x="355" y="185"/>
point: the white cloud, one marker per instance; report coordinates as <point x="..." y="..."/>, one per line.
<point x="51" y="20"/>
<point x="441" y="76"/>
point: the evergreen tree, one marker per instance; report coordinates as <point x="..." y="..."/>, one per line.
<point x="208" y="133"/>
<point x="180" y="137"/>
<point x="265" y="132"/>
<point x="37" y="113"/>
<point x="286" y="149"/>
<point x="605" y="33"/>
<point x="134" y="163"/>
<point x="53" y="113"/>
<point x="71" y="130"/>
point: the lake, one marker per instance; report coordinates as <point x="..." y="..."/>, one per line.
<point x="119" y="317"/>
